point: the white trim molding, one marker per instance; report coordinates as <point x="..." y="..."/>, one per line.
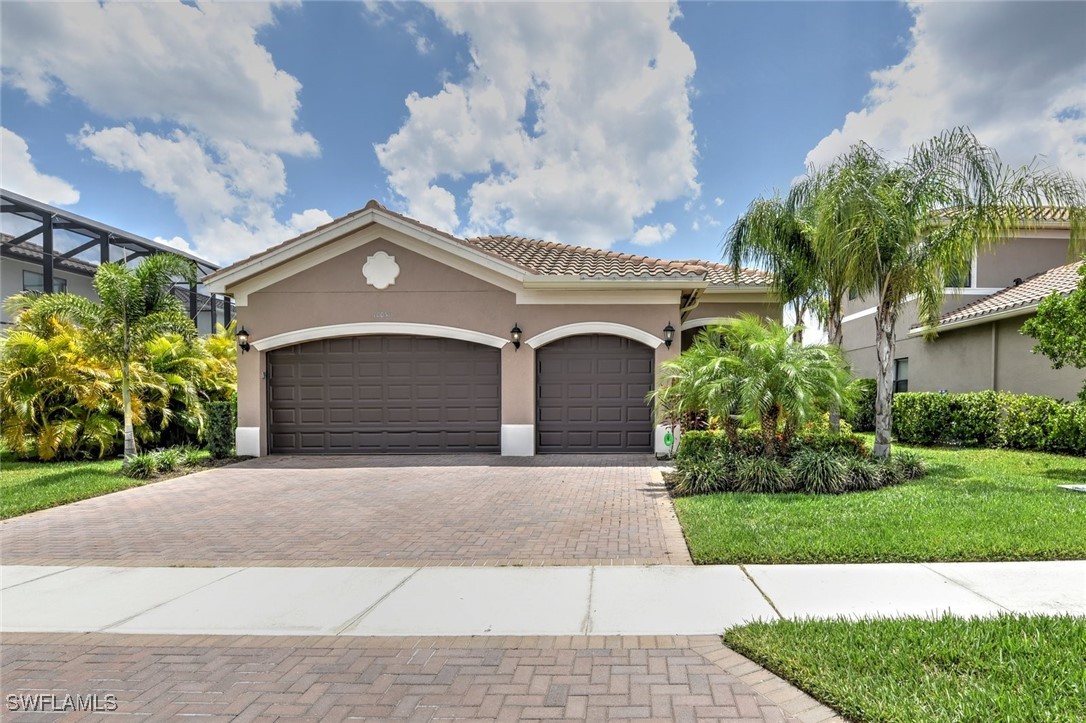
<point x="366" y="328"/>
<point x="697" y="323"/>
<point x="518" y="440"/>
<point x="247" y="441"/>
<point x="981" y="319"/>
<point x="950" y="291"/>
<point x="594" y="327"/>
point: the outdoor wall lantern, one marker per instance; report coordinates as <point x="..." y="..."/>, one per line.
<point x="669" y="335"/>
<point x="514" y="334"/>
<point x="243" y="339"/>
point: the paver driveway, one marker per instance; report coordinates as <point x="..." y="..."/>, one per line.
<point x="418" y="679"/>
<point x="344" y="511"/>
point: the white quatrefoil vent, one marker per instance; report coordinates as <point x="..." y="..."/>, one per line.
<point x="381" y="270"/>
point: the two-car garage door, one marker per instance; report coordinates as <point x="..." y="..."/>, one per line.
<point x="366" y="394"/>
<point x="413" y="394"/>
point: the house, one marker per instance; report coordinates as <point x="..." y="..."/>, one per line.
<point x="376" y="333"/>
<point x="979" y="345"/>
<point x="77" y="245"/>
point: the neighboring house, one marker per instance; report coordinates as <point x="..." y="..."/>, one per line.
<point x="376" y="333"/>
<point x="979" y="345"/>
<point x="77" y="246"/>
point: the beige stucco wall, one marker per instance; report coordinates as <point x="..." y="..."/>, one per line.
<point x="426" y="292"/>
<point x="1031" y="253"/>
<point x="961" y="360"/>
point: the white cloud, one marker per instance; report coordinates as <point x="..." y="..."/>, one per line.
<point x="572" y="122"/>
<point x="718" y="201"/>
<point x="695" y="226"/>
<point x="18" y="173"/>
<point x="176" y="242"/>
<point x="650" y="235"/>
<point x="221" y="114"/>
<point x="200" y="67"/>
<point x="225" y="193"/>
<point x="1014" y="72"/>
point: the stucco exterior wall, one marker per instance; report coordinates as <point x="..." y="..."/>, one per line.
<point x="427" y="291"/>
<point x="1031" y="253"/>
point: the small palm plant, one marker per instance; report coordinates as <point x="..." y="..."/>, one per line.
<point x="752" y="371"/>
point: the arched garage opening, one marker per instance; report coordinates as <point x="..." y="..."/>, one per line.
<point x="590" y="395"/>
<point x="384" y="393"/>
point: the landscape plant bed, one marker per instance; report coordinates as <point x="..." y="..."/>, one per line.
<point x="30" y="486"/>
<point x="1006" y="668"/>
<point x="974" y="504"/>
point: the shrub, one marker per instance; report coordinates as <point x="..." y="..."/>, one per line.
<point x="863" y="474"/>
<point x="699" y="476"/>
<point x="819" y="471"/>
<point x="909" y="464"/>
<point x="889" y="473"/>
<point x="848" y="445"/>
<point x="862" y="417"/>
<point x="191" y="456"/>
<point x="990" y="419"/>
<point x="760" y="474"/>
<point x="141" y="466"/>
<point x="167" y="459"/>
<point x="221" y="424"/>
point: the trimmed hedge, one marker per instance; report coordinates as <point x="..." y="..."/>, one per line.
<point x="990" y="419"/>
<point x="221" y="423"/>
<point x="862" y="417"/>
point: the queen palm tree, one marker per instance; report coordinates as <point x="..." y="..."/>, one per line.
<point x="778" y="234"/>
<point x="136" y="306"/>
<point x="899" y="229"/>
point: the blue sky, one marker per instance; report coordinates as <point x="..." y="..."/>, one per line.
<point x="643" y="128"/>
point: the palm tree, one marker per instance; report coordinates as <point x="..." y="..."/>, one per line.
<point x="136" y="306"/>
<point x="901" y="228"/>
<point x="778" y="234"/>
<point x="753" y="371"/>
<point x="773" y="234"/>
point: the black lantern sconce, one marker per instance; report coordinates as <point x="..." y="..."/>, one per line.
<point x="669" y="335"/>
<point x="514" y="334"/>
<point x="243" y="339"/>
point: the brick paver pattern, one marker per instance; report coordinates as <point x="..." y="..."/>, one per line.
<point x="333" y="679"/>
<point x="387" y="510"/>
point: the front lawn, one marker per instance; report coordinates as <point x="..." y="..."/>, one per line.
<point x="29" y="486"/>
<point x="1008" y="668"/>
<point x="974" y="504"/>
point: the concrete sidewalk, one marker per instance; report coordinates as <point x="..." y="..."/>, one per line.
<point x="660" y="600"/>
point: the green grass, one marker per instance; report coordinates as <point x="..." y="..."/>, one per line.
<point x="975" y="504"/>
<point x="1009" y="668"/>
<point x="29" y="486"/>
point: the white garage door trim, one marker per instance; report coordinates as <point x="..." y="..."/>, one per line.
<point x="313" y="333"/>
<point x="594" y="327"/>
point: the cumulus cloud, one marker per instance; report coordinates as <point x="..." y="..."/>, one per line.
<point x="718" y="201"/>
<point x="218" y="114"/>
<point x="20" y="175"/>
<point x="572" y="122"/>
<point x="1014" y="72"/>
<point x="650" y="235"/>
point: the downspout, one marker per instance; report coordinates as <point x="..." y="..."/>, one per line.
<point x="995" y="352"/>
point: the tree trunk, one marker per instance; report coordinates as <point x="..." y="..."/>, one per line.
<point x="834" y="332"/>
<point x="731" y="430"/>
<point x="769" y="433"/>
<point x="885" y="317"/>
<point x="126" y="400"/>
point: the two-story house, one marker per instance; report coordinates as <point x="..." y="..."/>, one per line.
<point x="979" y="345"/>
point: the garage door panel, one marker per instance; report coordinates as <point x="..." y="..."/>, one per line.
<point x="385" y="394"/>
<point x="590" y="395"/>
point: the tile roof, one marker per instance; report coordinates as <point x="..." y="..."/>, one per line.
<point x="33" y="252"/>
<point x="1062" y="279"/>
<point x="547" y="258"/>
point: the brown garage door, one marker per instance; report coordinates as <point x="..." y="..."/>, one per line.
<point x="400" y="394"/>
<point x="590" y="395"/>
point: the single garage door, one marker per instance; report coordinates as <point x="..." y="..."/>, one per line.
<point x="399" y="394"/>
<point x="590" y="395"/>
